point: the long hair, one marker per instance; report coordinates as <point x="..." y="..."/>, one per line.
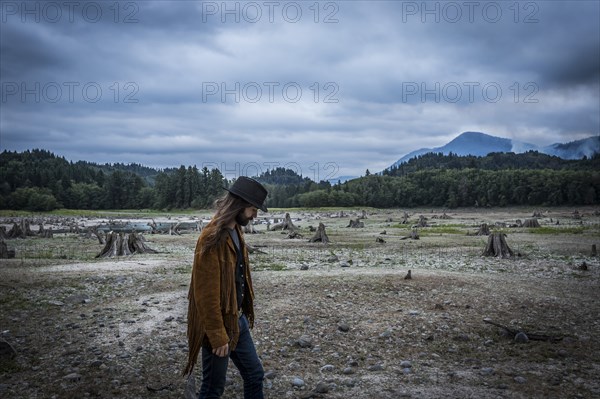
<point x="227" y="208"/>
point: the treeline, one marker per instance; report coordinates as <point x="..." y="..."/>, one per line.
<point x="461" y="188"/>
<point x="434" y="179"/>
<point x="38" y="180"/>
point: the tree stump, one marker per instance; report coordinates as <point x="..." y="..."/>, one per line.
<point x="537" y="214"/>
<point x="414" y="234"/>
<point x="355" y="224"/>
<point x="594" y="251"/>
<point x="380" y="240"/>
<point x="320" y="235"/>
<point x="531" y="223"/>
<point x="286" y="224"/>
<point x="48" y="233"/>
<point x="497" y="246"/>
<point x="100" y="237"/>
<point x="405" y="218"/>
<point x="174" y="230"/>
<point x="3" y="234"/>
<point x="422" y="221"/>
<point x="6" y="253"/>
<point x="484" y="230"/>
<point x="16" y="232"/>
<point x="121" y="244"/>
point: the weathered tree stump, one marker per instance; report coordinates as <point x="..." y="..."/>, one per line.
<point x="15" y="232"/>
<point x="286" y="224"/>
<point x="594" y="251"/>
<point x="100" y="237"/>
<point x="123" y="244"/>
<point x="320" y="235"/>
<point x="380" y="240"/>
<point x="422" y="221"/>
<point x="537" y="214"/>
<point x="49" y="233"/>
<point x="6" y="253"/>
<point x="576" y="215"/>
<point x="405" y="218"/>
<point x="531" y="223"/>
<point x="497" y="246"/>
<point x="355" y="224"/>
<point x="484" y="230"/>
<point x="444" y="216"/>
<point x="3" y="234"/>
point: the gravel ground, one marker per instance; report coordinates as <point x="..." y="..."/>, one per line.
<point x="333" y="321"/>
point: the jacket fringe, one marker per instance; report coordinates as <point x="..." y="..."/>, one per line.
<point x="196" y="330"/>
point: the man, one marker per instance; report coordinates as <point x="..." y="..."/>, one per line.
<point x="221" y="309"/>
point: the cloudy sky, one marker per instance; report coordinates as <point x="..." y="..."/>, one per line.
<point x="326" y="88"/>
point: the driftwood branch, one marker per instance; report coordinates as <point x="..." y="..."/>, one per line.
<point x="531" y="336"/>
<point x="254" y="250"/>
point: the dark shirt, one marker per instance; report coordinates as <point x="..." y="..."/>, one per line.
<point x="240" y="275"/>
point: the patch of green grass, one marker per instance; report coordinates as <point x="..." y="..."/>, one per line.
<point x="556" y="230"/>
<point x="446" y="229"/>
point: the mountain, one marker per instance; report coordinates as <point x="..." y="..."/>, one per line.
<point x="481" y="144"/>
<point x="575" y="149"/>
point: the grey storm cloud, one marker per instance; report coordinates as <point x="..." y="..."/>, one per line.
<point x="356" y="84"/>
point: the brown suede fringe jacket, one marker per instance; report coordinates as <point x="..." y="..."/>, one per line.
<point x="213" y="309"/>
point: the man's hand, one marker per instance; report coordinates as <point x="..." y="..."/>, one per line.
<point x="221" y="351"/>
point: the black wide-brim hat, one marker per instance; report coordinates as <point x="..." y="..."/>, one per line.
<point x="250" y="191"/>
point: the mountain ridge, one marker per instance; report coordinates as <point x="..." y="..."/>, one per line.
<point x="481" y="144"/>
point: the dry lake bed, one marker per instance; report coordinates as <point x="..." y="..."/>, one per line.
<point x="335" y="320"/>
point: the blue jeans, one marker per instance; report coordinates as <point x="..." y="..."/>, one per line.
<point x="214" y="368"/>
